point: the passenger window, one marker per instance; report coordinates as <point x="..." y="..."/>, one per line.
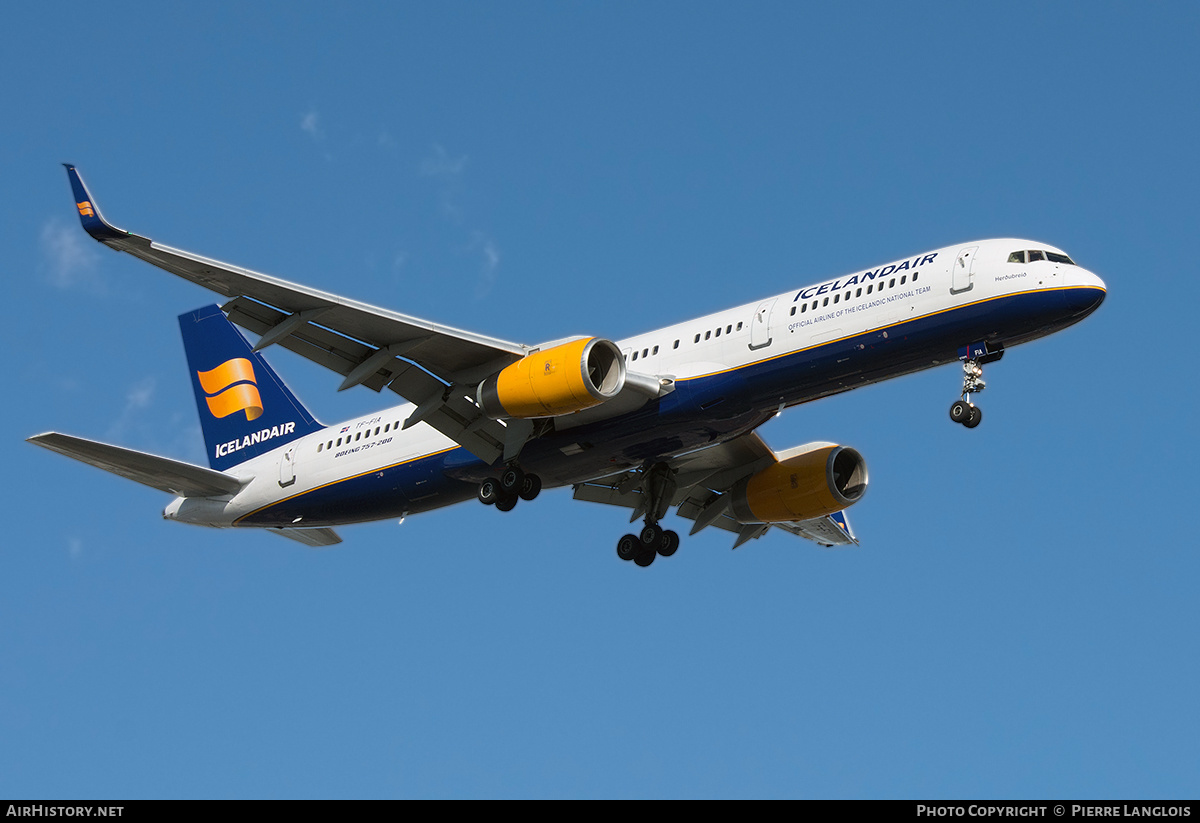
<point x="870" y="287"/>
<point x="697" y="340"/>
<point x="718" y="332"/>
<point x="1017" y="257"/>
<point x="729" y="328"/>
<point x="1036" y="255"/>
<point x="892" y="283"/>
<point x="320" y="447"/>
<point x="902" y="279"/>
<point x="793" y="311"/>
<point x="803" y="308"/>
<point x="826" y="303"/>
<point x="635" y="354"/>
<point x="837" y="297"/>
<point x="707" y="335"/>
<point x="676" y="345"/>
<point x="655" y="350"/>
<point x="858" y="293"/>
<point x="915" y="278"/>
<point x="645" y="353"/>
<point x="339" y="441"/>
<point x="739" y="327"/>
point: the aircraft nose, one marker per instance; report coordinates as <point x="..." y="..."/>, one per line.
<point x="1086" y="292"/>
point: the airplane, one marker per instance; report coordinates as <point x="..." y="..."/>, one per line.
<point x="653" y="422"/>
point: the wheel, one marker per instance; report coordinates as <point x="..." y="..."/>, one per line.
<point x="530" y="486"/>
<point x="960" y="411"/>
<point x="670" y="543"/>
<point x="506" y="502"/>
<point x="644" y="557"/>
<point x="511" y="479"/>
<point x="489" y="491"/>
<point x="628" y="547"/>
<point x="973" y="419"/>
<point x="652" y="536"/>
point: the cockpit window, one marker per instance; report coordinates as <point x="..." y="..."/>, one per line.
<point x="1037" y="254"/>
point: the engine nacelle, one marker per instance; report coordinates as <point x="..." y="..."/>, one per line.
<point x="818" y="482"/>
<point x="559" y="380"/>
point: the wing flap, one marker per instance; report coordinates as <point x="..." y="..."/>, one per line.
<point x="172" y="476"/>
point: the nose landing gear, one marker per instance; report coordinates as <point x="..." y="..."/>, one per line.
<point x="964" y="411"/>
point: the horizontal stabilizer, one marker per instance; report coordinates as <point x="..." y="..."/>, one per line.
<point x="163" y="473"/>
<point x="316" y="538"/>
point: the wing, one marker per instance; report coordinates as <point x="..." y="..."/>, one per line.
<point x="173" y="476"/>
<point x="425" y="363"/>
<point x="701" y="482"/>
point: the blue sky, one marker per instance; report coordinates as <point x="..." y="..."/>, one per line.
<point x="1021" y="618"/>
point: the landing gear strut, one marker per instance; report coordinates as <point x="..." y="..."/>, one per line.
<point x="513" y="484"/>
<point x="964" y="411"/>
<point x="657" y="484"/>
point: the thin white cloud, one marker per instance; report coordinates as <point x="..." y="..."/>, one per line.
<point x="441" y="164"/>
<point x="490" y="255"/>
<point x="69" y="261"/>
<point x="310" y="124"/>
<point x="138" y="397"/>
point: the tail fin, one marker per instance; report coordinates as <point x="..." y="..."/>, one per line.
<point x="245" y="409"/>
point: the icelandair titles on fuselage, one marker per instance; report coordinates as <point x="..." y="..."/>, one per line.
<point x="884" y="271"/>
<point x="224" y="449"/>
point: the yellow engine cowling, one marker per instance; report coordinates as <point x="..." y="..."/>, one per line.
<point x="818" y="482"/>
<point x="560" y="380"/>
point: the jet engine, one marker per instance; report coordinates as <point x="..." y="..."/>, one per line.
<point x="817" y="482"/>
<point x="559" y="380"/>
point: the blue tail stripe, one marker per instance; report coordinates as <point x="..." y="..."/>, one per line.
<point x="245" y="408"/>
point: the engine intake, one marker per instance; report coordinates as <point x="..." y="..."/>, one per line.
<point x="818" y="482"/>
<point x="559" y="380"/>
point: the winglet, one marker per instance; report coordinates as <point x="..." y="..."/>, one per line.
<point x="89" y="213"/>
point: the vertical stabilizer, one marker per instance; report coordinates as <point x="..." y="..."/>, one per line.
<point x="245" y="409"/>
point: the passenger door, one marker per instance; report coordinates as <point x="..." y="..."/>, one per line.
<point x="760" y="324"/>
<point x="963" y="274"/>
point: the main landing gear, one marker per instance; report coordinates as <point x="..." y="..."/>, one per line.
<point x="964" y="411"/>
<point x="512" y="485"/>
<point x="657" y="485"/>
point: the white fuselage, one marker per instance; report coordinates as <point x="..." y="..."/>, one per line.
<point x="937" y="288"/>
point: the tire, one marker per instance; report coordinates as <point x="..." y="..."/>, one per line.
<point x="489" y="491"/>
<point x="506" y="502"/>
<point x="960" y="411"/>
<point x="530" y="487"/>
<point x="628" y="547"/>
<point x="652" y="536"/>
<point x="645" y="557"/>
<point x="670" y="543"/>
<point x="974" y="418"/>
<point x="511" y="479"/>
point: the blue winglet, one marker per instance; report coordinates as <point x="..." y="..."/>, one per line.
<point x="89" y="213"/>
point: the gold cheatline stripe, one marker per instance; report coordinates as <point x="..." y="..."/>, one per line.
<point x="878" y="328"/>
